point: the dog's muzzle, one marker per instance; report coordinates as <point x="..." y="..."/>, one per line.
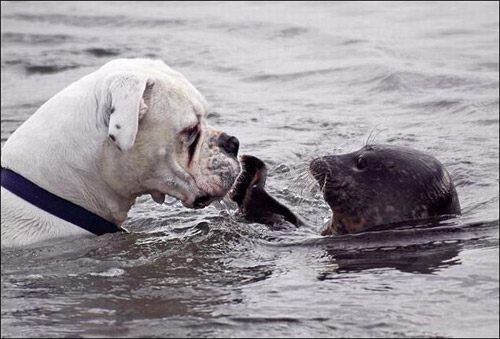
<point x="222" y="172"/>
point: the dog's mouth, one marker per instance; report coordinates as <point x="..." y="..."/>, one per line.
<point x="158" y="197"/>
<point x="200" y="201"/>
<point x="200" y="193"/>
<point x="203" y="201"/>
<point x="196" y="202"/>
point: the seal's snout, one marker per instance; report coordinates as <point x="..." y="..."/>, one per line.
<point x="229" y="144"/>
<point x="319" y="170"/>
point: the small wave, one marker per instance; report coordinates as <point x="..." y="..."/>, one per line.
<point x="92" y="21"/>
<point x="103" y="52"/>
<point x="488" y="66"/>
<point x="393" y="81"/>
<point x="225" y="69"/>
<point x="439" y="105"/>
<point x="290" y="32"/>
<point x="48" y="69"/>
<point x="24" y="106"/>
<point x="447" y="230"/>
<point x="486" y="122"/>
<point x="266" y="320"/>
<point x="112" y="272"/>
<point x="447" y="33"/>
<point x="480" y="206"/>
<point x="400" y="138"/>
<point x="35" y="39"/>
<point x="13" y="120"/>
<point x="354" y="42"/>
<point x="289" y="76"/>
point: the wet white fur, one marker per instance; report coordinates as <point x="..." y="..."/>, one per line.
<point x="66" y="148"/>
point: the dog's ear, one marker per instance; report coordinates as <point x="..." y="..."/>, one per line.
<point x="127" y="107"/>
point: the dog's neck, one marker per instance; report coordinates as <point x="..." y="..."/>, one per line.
<point x="73" y="144"/>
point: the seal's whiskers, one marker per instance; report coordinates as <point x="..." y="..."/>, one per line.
<point x="324" y="184"/>
<point x="303" y="182"/>
<point x="374" y="133"/>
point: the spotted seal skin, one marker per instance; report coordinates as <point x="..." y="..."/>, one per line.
<point x="254" y="203"/>
<point x="383" y="185"/>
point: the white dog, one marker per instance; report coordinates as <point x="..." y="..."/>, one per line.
<point x="132" y="127"/>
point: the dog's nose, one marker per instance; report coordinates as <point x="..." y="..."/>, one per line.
<point x="202" y="201"/>
<point x="229" y="144"/>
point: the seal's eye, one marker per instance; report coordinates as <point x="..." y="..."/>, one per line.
<point x="361" y="163"/>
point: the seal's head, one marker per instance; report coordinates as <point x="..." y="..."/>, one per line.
<point x="382" y="184"/>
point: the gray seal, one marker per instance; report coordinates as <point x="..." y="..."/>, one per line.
<point x="376" y="187"/>
<point x="383" y="185"/>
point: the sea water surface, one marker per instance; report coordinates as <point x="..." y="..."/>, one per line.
<point x="292" y="81"/>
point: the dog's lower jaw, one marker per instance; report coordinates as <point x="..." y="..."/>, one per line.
<point x="158" y="197"/>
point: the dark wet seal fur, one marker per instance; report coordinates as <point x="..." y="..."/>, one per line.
<point x="254" y="203"/>
<point x="376" y="188"/>
<point x="383" y="185"/>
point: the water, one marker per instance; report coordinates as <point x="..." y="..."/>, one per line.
<point x="291" y="81"/>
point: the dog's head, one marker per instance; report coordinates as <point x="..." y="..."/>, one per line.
<point x="157" y="139"/>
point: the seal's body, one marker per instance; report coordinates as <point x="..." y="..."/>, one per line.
<point x="379" y="186"/>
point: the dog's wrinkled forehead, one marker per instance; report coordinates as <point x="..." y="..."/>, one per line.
<point x="192" y="106"/>
<point x="179" y="91"/>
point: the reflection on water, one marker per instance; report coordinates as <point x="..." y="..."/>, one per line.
<point x="293" y="81"/>
<point x="412" y="259"/>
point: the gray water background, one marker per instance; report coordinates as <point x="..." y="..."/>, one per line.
<point x="292" y="81"/>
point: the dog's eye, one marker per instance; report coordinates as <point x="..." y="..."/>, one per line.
<point x="191" y="134"/>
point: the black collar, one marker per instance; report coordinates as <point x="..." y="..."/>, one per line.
<point x="55" y="205"/>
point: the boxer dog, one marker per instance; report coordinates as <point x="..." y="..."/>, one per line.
<point x="133" y="127"/>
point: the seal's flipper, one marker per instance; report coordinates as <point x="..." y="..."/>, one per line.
<point x="253" y="174"/>
<point x="253" y="201"/>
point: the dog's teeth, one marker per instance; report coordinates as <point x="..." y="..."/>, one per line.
<point x="158" y="197"/>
